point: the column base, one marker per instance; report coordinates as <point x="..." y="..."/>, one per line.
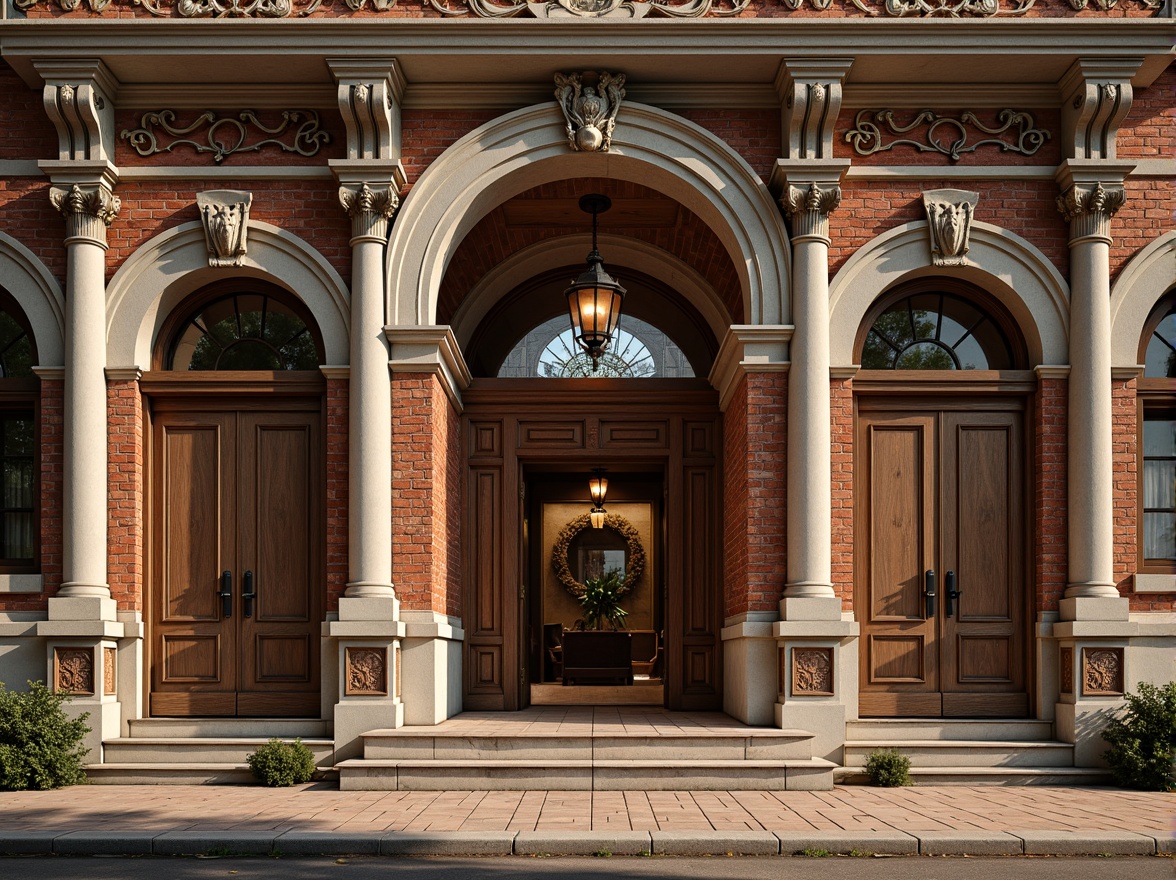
<point x="369" y="590"/>
<point x="79" y="590"/>
<point x="384" y="606"/>
<point x="817" y="607"/>
<point x="817" y="669"/>
<point x="1095" y="608"/>
<point x="82" y="608"/>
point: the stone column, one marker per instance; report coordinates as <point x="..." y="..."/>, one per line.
<point x="88" y="210"/>
<point x="1090" y="197"/>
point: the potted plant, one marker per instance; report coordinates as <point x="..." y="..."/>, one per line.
<point x="602" y="601"/>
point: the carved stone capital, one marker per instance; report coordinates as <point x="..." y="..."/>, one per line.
<point x="88" y="211"/>
<point x="949" y="222"/>
<point x="1089" y="209"/>
<point x="225" y="215"/>
<point x="590" y="108"/>
<point x="809" y="208"/>
<point x="369" y="210"/>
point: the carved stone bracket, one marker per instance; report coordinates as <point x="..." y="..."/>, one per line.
<point x="87" y="210"/>
<point x="945" y="134"/>
<point x="369" y="210"/>
<point x="810" y="90"/>
<point x="369" y="92"/>
<point x="810" y="208"/>
<point x="949" y="221"/>
<point x="590" y="8"/>
<point x="1096" y="95"/>
<point x="73" y="671"/>
<point x="298" y="132"/>
<point x="1089" y="209"/>
<point x="590" y="108"/>
<point x="225" y="215"/>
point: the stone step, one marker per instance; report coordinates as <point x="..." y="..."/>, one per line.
<point x="153" y="773"/>
<point x="971" y="729"/>
<point x="962" y="753"/>
<point x="200" y="750"/>
<point x="282" y="728"/>
<point x="1068" y="776"/>
<point x="572" y="775"/>
<point x="430" y="744"/>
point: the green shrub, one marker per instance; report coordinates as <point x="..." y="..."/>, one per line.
<point x="1143" y="739"/>
<point x="279" y="764"/>
<point x="40" y="746"/>
<point x="888" y="768"/>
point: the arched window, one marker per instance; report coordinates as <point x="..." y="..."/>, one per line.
<point x="1157" y="440"/>
<point x="638" y="351"/>
<point x="245" y="327"/>
<point x="19" y="446"/>
<point x="934" y="328"/>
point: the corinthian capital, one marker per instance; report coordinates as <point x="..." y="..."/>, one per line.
<point x="369" y="210"/>
<point x="810" y="208"/>
<point x="88" y="210"/>
<point x="1089" y="208"/>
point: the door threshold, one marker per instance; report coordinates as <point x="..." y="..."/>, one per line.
<point x="641" y="693"/>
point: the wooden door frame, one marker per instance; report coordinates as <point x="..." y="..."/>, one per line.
<point x="164" y="390"/>
<point x="971" y="391"/>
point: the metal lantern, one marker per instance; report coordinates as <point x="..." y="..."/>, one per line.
<point x="598" y="489"/>
<point x="595" y="298"/>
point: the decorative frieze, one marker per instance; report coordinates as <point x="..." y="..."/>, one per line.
<point x="812" y="672"/>
<point x="225" y="215"/>
<point x="1089" y="209"/>
<point x="366" y="672"/>
<point x="810" y="207"/>
<point x="590" y="8"/>
<point x="109" y="671"/>
<point x="949" y="222"/>
<point x="590" y="108"/>
<point x="87" y="210"/>
<point x="948" y="135"/>
<point x="1102" y="672"/>
<point x="1067" y="668"/>
<point x="944" y="8"/>
<point x="369" y="210"/>
<point x="298" y="132"/>
<point x="73" y="671"/>
<point x="1104" y="5"/>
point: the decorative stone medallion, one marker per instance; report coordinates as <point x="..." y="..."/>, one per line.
<point x="1102" y="672"/>
<point x="73" y="671"/>
<point x="590" y="108"/>
<point x="1067" y="664"/>
<point x="366" y="673"/>
<point x="109" y="658"/>
<point x="812" y="672"/>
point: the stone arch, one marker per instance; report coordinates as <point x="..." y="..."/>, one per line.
<point x="528" y="148"/>
<point x="1148" y="276"/>
<point x="39" y="295"/>
<point x="1004" y="264"/>
<point x="161" y="273"/>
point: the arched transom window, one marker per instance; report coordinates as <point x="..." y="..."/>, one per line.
<point x="935" y="330"/>
<point x="244" y="330"/>
<point x="638" y="351"/>
<point x="1157" y="441"/>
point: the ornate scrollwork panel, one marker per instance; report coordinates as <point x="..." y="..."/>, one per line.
<point x="948" y="135"/>
<point x="298" y="132"/>
<point x="591" y="8"/>
<point x="945" y="8"/>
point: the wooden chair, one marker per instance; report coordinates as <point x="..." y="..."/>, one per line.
<point x="646" y="651"/>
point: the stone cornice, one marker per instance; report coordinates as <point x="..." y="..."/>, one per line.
<point x="749" y="348"/>
<point x="430" y="349"/>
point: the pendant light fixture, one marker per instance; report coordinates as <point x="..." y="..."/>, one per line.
<point x="595" y="298"/>
<point x="598" y="489"/>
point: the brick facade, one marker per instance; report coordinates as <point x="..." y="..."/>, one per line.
<point x="126" y="491"/>
<point x="1049" y="484"/>
<point x="841" y="474"/>
<point x="338" y="457"/>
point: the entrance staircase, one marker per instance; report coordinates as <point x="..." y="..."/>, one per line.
<point x="586" y="748"/>
<point x="968" y="752"/>
<point x="183" y="751"/>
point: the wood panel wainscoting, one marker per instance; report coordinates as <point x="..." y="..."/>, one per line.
<point x="236" y="560"/>
<point x="514" y="428"/>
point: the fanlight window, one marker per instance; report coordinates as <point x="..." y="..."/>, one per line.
<point x="638" y="350"/>
<point x="245" y="331"/>
<point x="935" y="331"/>
<point x="1160" y="361"/>
<point x="16" y="349"/>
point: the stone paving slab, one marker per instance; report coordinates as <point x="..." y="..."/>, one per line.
<point x="105" y="843"/>
<point x="1076" y="843"/>
<point x="885" y="842"/>
<point x="582" y="843"/>
<point x="972" y="843"/>
<point x="694" y="843"/>
<point x="447" y="843"/>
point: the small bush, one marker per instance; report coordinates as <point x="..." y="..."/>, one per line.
<point x="888" y="768"/>
<point x="40" y="746"/>
<point x="1143" y="739"/>
<point x="279" y="764"/>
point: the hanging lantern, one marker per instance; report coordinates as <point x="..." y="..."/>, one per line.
<point x="595" y="298"/>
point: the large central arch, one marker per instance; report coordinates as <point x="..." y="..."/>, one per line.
<point x="529" y="147"/>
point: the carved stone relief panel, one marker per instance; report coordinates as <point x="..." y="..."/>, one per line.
<point x="1102" y="672"/>
<point x="1067" y="669"/>
<point x="590" y="108"/>
<point x="73" y="671"/>
<point x="225" y="215"/>
<point x="812" y="671"/>
<point x="949" y="221"/>
<point x="366" y="672"/>
<point x="109" y="671"/>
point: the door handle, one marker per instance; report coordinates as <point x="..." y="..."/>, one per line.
<point x="249" y="595"/>
<point x="929" y="591"/>
<point x="949" y="586"/>
<point x="226" y="594"/>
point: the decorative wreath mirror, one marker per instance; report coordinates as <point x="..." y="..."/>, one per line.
<point x="583" y="552"/>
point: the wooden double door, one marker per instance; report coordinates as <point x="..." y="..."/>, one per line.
<point x="939" y="560"/>
<point x="236" y="563"/>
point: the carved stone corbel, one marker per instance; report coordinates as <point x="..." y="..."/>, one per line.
<point x="811" y="94"/>
<point x="78" y="98"/>
<point x="88" y="210"/>
<point x="590" y="108"/>
<point x="810" y="208"/>
<point x="369" y="92"/>
<point x="369" y="210"/>
<point x="949" y="221"/>
<point x="225" y="215"/>
<point x="1097" y="97"/>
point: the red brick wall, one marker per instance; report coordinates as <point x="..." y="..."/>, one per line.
<point x="27" y="215"/>
<point x="754" y="454"/>
<point x="1149" y="131"/>
<point x="841" y="417"/>
<point x="125" y="490"/>
<point x="337" y="490"/>
<point x="1050" y="560"/>
<point x="753" y="134"/>
<point x="27" y="132"/>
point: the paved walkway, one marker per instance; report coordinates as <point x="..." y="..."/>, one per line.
<point x="319" y="818"/>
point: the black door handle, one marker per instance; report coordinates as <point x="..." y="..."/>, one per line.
<point x="249" y="595"/>
<point x="929" y="591"/>
<point x="949" y="586"/>
<point x="226" y="594"/>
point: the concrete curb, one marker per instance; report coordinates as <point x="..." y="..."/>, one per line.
<point x="582" y="843"/>
<point x="972" y="843"/>
<point x="195" y="843"/>
<point x="1075" y="843"/>
<point x="447" y="843"/>
<point x="334" y="843"/>
<point x="690" y="843"/>
<point x="893" y="843"/>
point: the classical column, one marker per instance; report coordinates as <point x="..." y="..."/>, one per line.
<point x="89" y="210"/>
<point x="1088" y="203"/>
<point x="810" y="549"/>
<point x="370" y="402"/>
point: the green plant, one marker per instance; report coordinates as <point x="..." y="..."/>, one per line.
<point x="1143" y="739"/>
<point x="888" y="768"/>
<point x="815" y="852"/>
<point x="278" y="764"/>
<point x="602" y="600"/>
<point x="40" y="746"/>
